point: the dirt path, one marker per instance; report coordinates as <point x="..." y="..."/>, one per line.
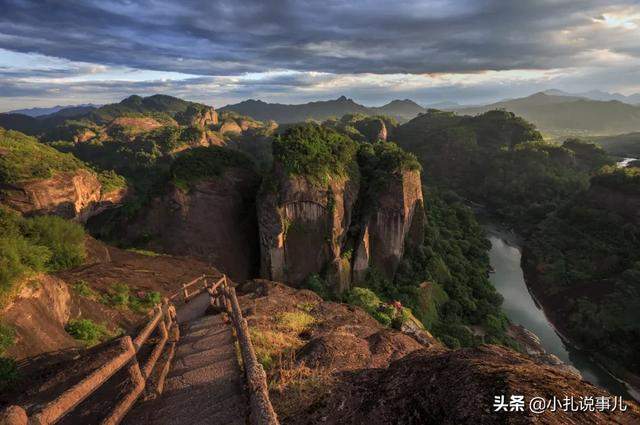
<point x="205" y="384"/>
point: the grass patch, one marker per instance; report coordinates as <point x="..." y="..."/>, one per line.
<point x="88" y="332"/>
<point x="146" y="252"/>
<point x="295" y="321"/>
<point x="308" y="307"/>
<point x="299" y="386"/>
<point x="270" y="345"/>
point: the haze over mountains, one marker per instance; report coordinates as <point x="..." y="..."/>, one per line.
<point x="38" y="112"/>
<point x="556" y="113"/>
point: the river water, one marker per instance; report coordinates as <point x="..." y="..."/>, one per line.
<point x="521" y="308"/>
<point x="625" y="161"/>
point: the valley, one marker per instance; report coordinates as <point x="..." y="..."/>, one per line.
<point x="349" y="239"/>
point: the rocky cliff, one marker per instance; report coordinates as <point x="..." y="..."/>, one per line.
<point x="395" y="219"/>
<point x="341" y="224"/>
<point x="374" y="129"/>
<point x="214" y="220"/>
<point x="303" y="225"/>
<point x="207" y="211"/>
<point x="203" y="116"/>
<point x="72" y="195"/>
<point x="335" y="364"/>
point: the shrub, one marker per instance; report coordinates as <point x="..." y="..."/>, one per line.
<point x="18" y="258"/>
<point x="65" y="239"/>
<point x="8" y="372"/>
<point x="364" y="298"/>
<point x="87" y="331"/>
<point x="142" y="302"/>
<point x="83" y="289"/>
<point x="111" y="181"/>
<point x="317" y="285"/>
<point x="7" y="337"/>
<point x="118" y="295"/>
<point x="202" y="163"/>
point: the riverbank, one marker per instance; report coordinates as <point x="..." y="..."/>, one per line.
<point x="524" y="307"/>
<point x="554" y="310"/>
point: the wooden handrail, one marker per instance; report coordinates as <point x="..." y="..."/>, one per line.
<point x="163" y="319"/>
<point x="262" y="412"/>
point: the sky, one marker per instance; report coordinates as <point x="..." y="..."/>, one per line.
<point x="219" y="51"/>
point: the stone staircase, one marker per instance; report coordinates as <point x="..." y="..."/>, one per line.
<point x="205" y="385"/>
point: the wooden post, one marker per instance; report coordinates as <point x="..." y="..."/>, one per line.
<point x="13" y="415"/>
<point x="185" y="293"/>
<point x="57" y="408"/>
<point x="123" y="407"/>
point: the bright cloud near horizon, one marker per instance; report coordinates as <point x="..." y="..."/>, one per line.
<point x="222" y="51"/>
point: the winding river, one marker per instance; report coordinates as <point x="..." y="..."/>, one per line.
<point x="521" y="308"/>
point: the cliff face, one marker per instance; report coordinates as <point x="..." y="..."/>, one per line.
<point x="396" y="218"/>
<point x="303" y="228"/>
<point x="302" y="225"/>
<point x="38" y="316"/>
<point x="72" y="195"/>
<point x="215" y="221"/>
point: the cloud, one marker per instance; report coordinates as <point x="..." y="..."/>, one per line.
<point x="299" y="50"/>
<point x="222" y="37"/>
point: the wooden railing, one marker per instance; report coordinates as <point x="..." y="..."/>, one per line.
<point x="261" y="410"/>
<point x="163" y="319"/>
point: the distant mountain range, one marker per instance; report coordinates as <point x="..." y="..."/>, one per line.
<point x="556" y="113"/>
<point x="633" y="99"/>
<point x="38" y="112"/>
<point x="403" y="110"/>
<point x="564" y="114"/>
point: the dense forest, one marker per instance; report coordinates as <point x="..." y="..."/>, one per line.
<point x="584" y="261"/>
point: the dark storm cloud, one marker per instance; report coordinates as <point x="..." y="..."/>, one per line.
<point x="222" y="37"/>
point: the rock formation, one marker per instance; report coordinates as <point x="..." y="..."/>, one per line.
<point x="204" y="117"/>
<point x="374" y="129"/>
<point x="214" y="220"/>
<point x="72" y="195"/>
<point x="396" y="219"/>
<point x="38" y="315"/>
<point x="303" y="225"/>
